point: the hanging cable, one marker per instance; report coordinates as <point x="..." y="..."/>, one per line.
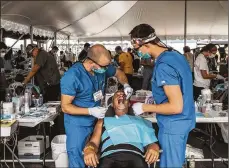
<point x="15" y="144"/>
<point x="4" y="151"/>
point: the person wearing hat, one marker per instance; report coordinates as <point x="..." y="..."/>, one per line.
<point x="172" y="91"/>
<point x="46" y="73"/>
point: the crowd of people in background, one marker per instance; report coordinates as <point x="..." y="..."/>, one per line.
<point x="203" y="64"/>
<point x="123" y="65"/>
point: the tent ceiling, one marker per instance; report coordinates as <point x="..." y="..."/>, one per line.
<point x="115" y="19"/>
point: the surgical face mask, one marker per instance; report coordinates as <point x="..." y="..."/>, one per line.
<point x="212" y="55"/>
<point x="101" y="70"/>
<point x="3" y="54"/>
<point x="141" y="55"/>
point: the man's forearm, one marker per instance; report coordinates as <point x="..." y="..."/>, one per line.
<point x="165" y="108"/>
<point x="210" y="76"/>
<point x="74" y="110"/>
<point x="120" y="75"/>
<point x="34" y="70"/>
<point x="28" y="78"/>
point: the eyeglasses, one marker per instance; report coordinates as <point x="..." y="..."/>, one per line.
<point x="105" y="67"/>
<point x="141" y="41"/>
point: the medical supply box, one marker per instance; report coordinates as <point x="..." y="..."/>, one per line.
<point x="8" y="127"/>
<point x="32" y="147"/>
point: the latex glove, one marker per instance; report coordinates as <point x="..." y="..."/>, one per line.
<point x="137" y="107"/>
<point x="128" y="90"/>
<point x="98" y="112"/>
<point x="219" y="77"/>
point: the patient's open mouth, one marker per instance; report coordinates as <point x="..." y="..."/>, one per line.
<point x="121" y="101"/>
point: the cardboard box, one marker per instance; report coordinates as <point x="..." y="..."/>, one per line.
<point x="32" y="147"/>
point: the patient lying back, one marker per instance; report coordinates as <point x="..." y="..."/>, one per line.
<point x="121" y="139"/>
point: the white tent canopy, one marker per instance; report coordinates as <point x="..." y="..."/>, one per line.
<point x="113" y="20"/>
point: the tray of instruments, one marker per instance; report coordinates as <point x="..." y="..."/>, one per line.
<point x="35" y="115"/>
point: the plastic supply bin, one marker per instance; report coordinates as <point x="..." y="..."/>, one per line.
<point x="59" y="151"/>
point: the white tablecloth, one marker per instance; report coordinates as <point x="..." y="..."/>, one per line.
<point x="212" y="117"/>
<point x="47" y="117"/>
<point x="34" y="122"/>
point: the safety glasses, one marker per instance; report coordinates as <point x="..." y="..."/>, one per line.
<point x="141" y="41"/>
<point x="105" y="67"/>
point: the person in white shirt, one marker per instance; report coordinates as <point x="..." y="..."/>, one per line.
<point x="201" y="72"/>
<point x="71" y="55"/>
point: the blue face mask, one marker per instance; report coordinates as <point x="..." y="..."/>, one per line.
<point x="101" y="70"/>
<point x="141" y="55"/>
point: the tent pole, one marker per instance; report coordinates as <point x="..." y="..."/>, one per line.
<point x="31" y="34"/>
<point x="24" y="46"/>
<point x="77" y="49"/>
<point x="68" y="45"/>
<point x="210" y="39"/>
<point x="32" y="61"/>
<point x="54" y="43"/>
<point x="185" y="23"/>
<point x="47" y="44"/>
<point x="1" y="35"/>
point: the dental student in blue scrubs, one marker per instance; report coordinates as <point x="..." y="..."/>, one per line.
<point x="173" y="94"/>
<point x="82" y="88"/>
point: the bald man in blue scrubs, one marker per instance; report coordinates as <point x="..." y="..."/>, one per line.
<point x="173" y="94"/>
<point x="82" y="89"/>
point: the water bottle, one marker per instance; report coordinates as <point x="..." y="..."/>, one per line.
<point x="196" y="107"/>
<point x="26" y="103"/>
<point x="30" y="95"/>
<point x="8" y="98"/>
<point x="33" y="100"/>
<point x="208" y="106"/>
<point x="40" y="100"/>
<point x="1" y="110"/>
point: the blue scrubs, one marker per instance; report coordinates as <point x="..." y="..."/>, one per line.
<point x="79" y="83"/>
<point x="171" y="68"/>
